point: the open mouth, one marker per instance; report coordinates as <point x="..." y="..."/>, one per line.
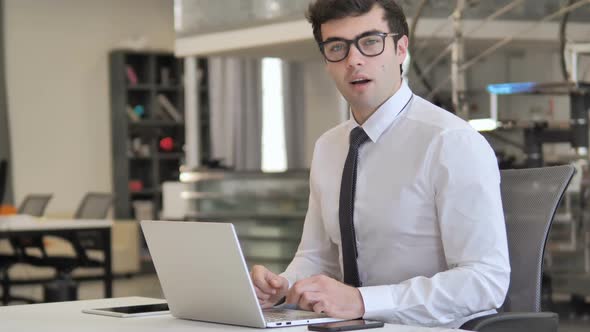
<point x="360" y="82"/>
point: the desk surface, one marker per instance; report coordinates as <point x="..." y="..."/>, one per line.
<point x="28" y="223"/>
<point x="68" y="316"/>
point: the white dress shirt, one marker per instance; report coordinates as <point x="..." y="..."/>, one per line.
<point x="428" y="216"/>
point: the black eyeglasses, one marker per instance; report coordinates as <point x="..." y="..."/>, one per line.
<point x="370" y="44"/>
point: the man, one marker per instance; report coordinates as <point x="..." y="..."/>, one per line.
<point x="405" y="220"/>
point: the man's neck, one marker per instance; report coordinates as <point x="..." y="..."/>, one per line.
<point x="362" y="114"/>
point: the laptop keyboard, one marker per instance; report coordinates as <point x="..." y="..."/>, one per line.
<point x="280" y="315"/>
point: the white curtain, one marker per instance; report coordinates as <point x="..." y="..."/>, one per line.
<point x="235" y="101"/>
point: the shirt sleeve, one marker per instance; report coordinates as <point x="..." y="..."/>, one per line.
<point x="466" y="184"/>
<point x="316" y="253"/>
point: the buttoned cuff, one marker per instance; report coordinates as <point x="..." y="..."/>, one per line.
<point x="380" y="302"/>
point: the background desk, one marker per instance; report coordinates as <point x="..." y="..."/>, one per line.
<point x="25" y="225"/>
<point x="68" y="316"/>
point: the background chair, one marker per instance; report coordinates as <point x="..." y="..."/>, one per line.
<point x="63" y="288"/>
<point x="6" y="261"/>
<point x="34" y="204"/>
<point x="530" y="198"/>
<point x="94" y="206"/>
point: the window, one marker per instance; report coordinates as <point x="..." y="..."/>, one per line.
<point x="274" y="154"/>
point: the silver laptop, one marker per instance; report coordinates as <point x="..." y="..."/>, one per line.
<point x="204" y="276"/>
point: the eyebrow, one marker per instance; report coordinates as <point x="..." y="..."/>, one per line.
<point x="362" y="34"/>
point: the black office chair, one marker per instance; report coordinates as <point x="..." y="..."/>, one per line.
<point x="63" y="288"/>
<point x="6" y="261"/>
<point x="530" y="198"/>
<point x="32" y="205"/>
<point x="94" y="206"/>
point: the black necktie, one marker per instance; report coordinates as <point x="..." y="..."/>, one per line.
<point x="346" y="210"/>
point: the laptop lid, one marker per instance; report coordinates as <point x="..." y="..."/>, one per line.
<point x="202" y="272"/>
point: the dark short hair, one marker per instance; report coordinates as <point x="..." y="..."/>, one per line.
<point x="322" y="11"/>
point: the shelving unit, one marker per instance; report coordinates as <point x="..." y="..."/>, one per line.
<point x="147" y="105"/>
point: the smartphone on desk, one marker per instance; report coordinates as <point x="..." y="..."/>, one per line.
<point x="348" y="325"/>
<point x="131" y="311"/>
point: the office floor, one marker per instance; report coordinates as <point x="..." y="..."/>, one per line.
<point x="147" y="285"/>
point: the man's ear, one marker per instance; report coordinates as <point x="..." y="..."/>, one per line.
<point x="402" y="48"/>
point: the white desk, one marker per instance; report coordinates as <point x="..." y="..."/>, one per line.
<point x="68" y="316"/>
<point x="18" y="225"/>
<point x="22" y="223"/>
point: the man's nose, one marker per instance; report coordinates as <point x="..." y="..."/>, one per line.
<point x="355" y="57"/>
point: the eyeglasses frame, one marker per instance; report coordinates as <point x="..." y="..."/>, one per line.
<point x="355" y="41"/>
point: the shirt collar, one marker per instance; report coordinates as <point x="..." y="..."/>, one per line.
<point x="383" y="117"/>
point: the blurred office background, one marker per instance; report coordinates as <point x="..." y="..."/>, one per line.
<point x="209" y="110"/>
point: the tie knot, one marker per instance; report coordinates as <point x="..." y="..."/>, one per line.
<point x="358" y="137"/>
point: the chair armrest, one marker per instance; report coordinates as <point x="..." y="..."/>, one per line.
<point x="514" y="321"/>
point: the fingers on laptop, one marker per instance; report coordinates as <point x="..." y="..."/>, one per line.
<point x="299" y="288"/>
<point x="321" y="307"/>
<point x="267" y="281"/>
<point x="261" y="295"/>
<point x="308" y="300"/>
<point x="260" y="281"/>
<point x="263" y="287"/>
<point x="276" y="282"/>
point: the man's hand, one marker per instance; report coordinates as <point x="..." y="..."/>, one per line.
<point x="324" y="294"/>
<point x="270" y="288"/>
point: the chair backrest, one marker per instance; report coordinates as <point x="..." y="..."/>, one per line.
<point x="34" y="204"/>
<point x="3" y="179"/>
<point x="530" y="198"/>
<point x="94" y="206"/>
